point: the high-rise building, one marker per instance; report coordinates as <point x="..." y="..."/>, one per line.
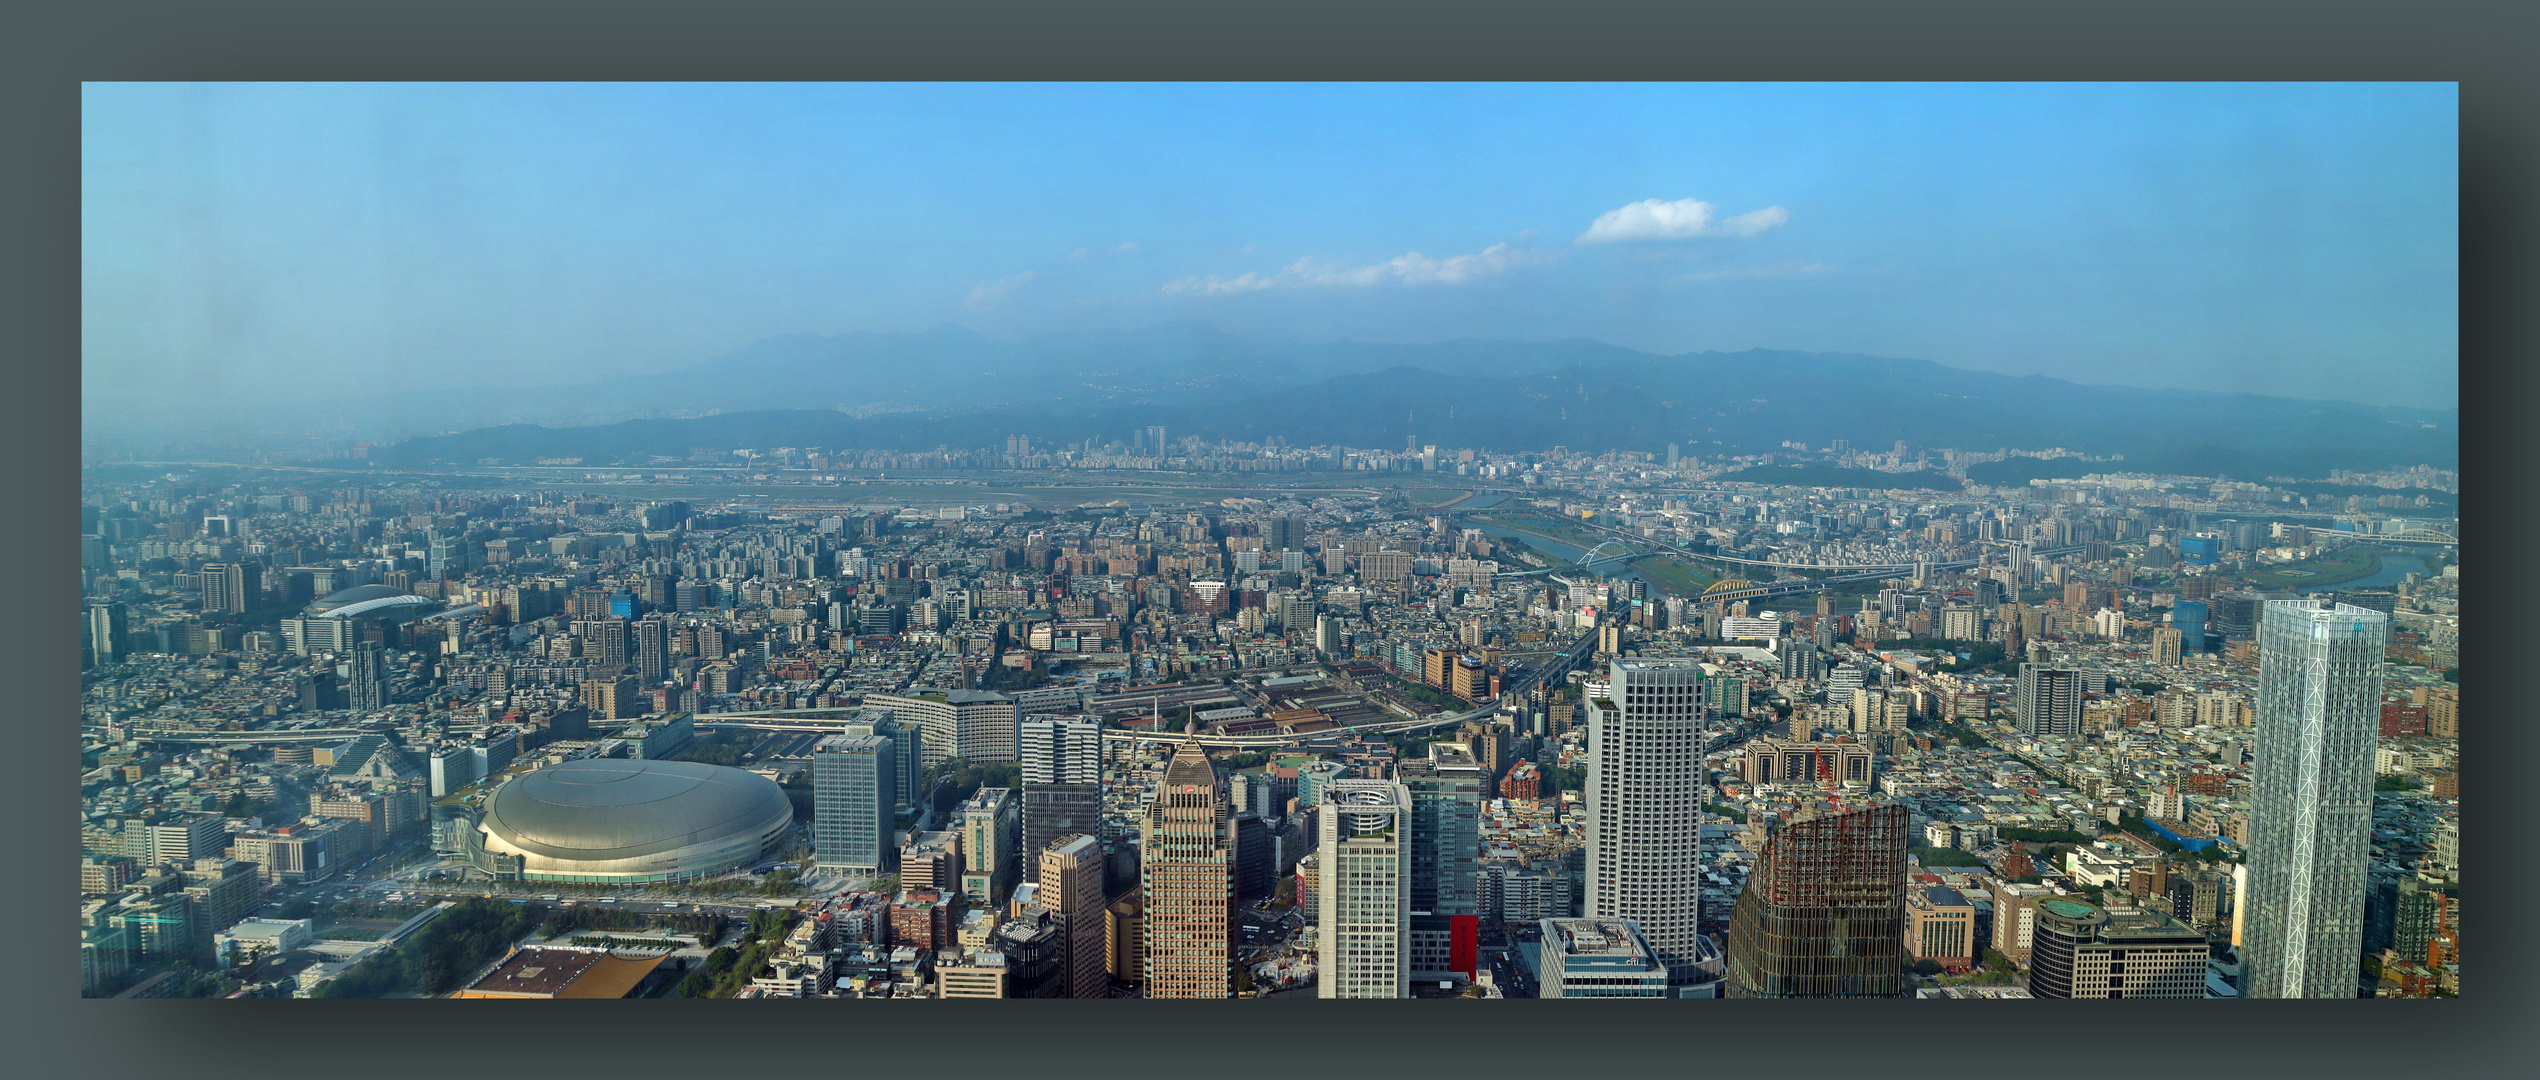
<point x="108" y="626"/>
<point x="1125" y="937"/>
<point x="368" y="688"/>
<point x="2234" y="615"/>
<point x="618" y="697"/>
<point x="652" y="650"/>
<point x="1071" y="889"/>
<point x="1823" y="913"/>
<point x="1940" y="926"/>
<point x="991" y="845"/>
<point x="2165" y="646"/>
<point x="852" y="824"/>
<point x="1062" y="782"/>
<point x="2048" y="700"/>
<point x="1645" y="787"/>
<point x="1187" y="876"/>
<point x="1446" y="804"/>
<point x="2310" y="813"/>
<point x="604" y="640"/>
<point x="1252" y="853"/>
<point x="228" y="587"/>
<point x="1363" y="933"/>
<point x="2080" y="951"/>
<point x="185" y="838"/>
<point x="2188" y="618"/>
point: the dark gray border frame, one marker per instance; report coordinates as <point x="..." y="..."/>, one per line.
<point x="2483" y="46"/>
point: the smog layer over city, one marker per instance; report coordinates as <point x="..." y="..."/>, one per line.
<point x="1270" y="541"/>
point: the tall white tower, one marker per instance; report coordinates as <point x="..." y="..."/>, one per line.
<point x="1363" y="947"/>
<point x="1645" y="787"/>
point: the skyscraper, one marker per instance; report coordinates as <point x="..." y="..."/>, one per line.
<point x="2048" y="700"/>
<point x="851" y="785"/>
<point x="227" y="587"/>
<point x="2310" y="813"/>
<point x="369" y="686"/>
<point x="2165" y="647"/>
<point x="1363" y="932"/>
<point x="605" y="639"/>
<point x="2188" y="618"/>
<point x="1062" y="783"/>
<point x="1645" y="787"/>
<point x="1446" y="805"/>
<point x="652" y="651"/>
<point x="2234" y="615"/>
<point x="1823" y="915"/>
<point x="107" y="626"/>
<point x="1187" y="874"/>
<point x="991" y="839"/>
<point x="1071" y="888"/>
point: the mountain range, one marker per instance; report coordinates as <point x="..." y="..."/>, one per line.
<point x="952" y="387"/>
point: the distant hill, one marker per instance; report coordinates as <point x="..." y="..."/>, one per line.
<point x="2012" y="472"/>
<point x="951" y="387"/>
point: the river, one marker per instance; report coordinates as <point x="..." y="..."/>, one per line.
<point x="1555" y="548"/>
<point x="2395" y="568"/>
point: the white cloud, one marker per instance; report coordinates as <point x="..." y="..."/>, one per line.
<point x="1780" y="269"/>
<point x="983" y="297"/>
<point x="1213" y="285"/>
<point x="1080" y="253"/>
<point x="1412" y="268"/>
<point x="1683" y="219"/>
<point x="1124" y="247"/>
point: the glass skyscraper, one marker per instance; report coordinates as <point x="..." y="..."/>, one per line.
<point x="852" y="822"/>
<point x="2310" y="817"/>
<point x="1446" y="807"/>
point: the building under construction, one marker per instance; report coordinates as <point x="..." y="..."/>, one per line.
<point x="1823" y="915"/>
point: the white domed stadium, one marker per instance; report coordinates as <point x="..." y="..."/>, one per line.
<point x="633" y="821"/>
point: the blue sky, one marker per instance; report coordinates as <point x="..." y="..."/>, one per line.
<point x="273" y="242"/>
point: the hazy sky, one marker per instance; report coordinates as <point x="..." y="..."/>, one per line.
<point x="259" y="242"/>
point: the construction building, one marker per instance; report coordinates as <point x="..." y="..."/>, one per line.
<point x="1823" y="914"/>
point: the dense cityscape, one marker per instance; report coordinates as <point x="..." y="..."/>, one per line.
<point x="1270" y="541"/>
<point x="1170" y="717"/>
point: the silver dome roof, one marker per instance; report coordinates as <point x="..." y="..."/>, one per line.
<point x="596" y="810"/>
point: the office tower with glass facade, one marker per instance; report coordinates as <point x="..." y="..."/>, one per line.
<point x="2310" y="812"/>
<point x="1823" y="915"/>
<point x="852" y="824"/>
<point x="2188" y="618"/>
<point x="1187" y="875"/>
<point x="1362" y="935"/>
<point x="1062" y="783"/>
<point x="1645" y="788"/>
<point x="1446" y="821"/>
